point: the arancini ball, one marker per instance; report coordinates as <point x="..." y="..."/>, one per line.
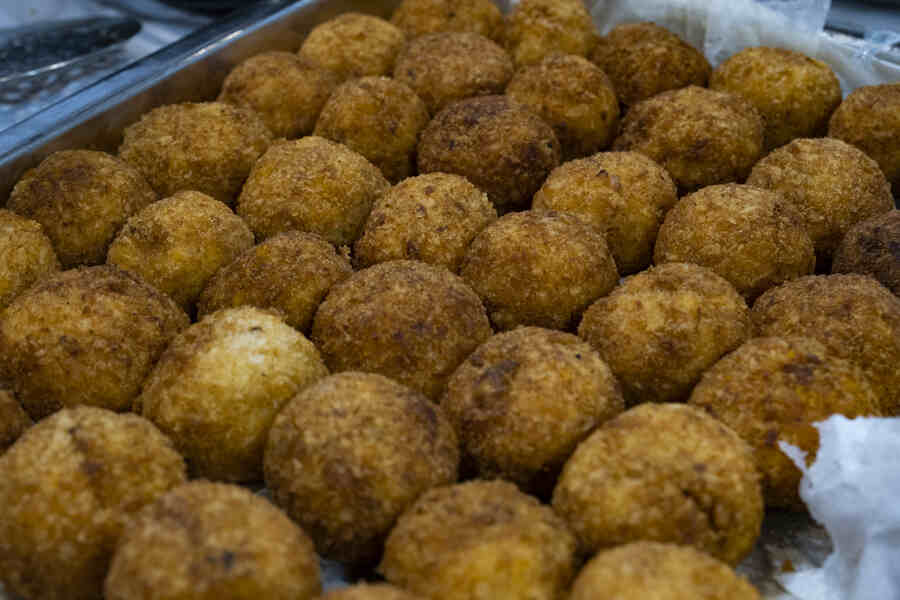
<point x="354" y="45"/>
<point x="13" y="420"/>
<point x="370" y="591"/>
<point x="872" y="247"/>
<point x="420" y="17"/>
<point x="536" y="29"/>
<point x="26" y="255"/>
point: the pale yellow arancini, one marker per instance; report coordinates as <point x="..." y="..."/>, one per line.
<point x="26" y="255"/>
<point x="872" y="247"/>
<point x="536" y="29"/>
<point x="13" y="420"/>
<point x="354" y="45"/>
<point x="421" y="17"/>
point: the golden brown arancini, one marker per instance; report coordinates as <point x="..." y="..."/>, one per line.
<point x="370" y="591"/>
<point x="663" y="473"/>
<point x="404" y="319"/>
<point x="501" y="147"/>
<point x="289" y="272"/>
<point x="749" y="236"/>
<point x="644" y="59"/>
<point x="536" y="29"/>
<point x="575" y="97"/>
<point x="643" y="570"/>
<point x="313" y="185"/>
<point x="700" y="136"/>
<point x="773" y="389"/>
<point x="68" y="488"/>
<point x="831" y="184"/>
<point x="81" y="198"/>
<point x="538" y="267"/>
<point x="380" y="118"/>
<point x="13" y="420"/>
<point x="524" y="399"/>
<point x="207" y="147"/>
<point x="869" y="118"/>
<point x="624" y="194"/>
<point x="178" y="243"/>
<point x="794" y="93"/>
<point x="286" y="91"/>
<point x="350" y="453"/>
<point x="445" y="67"/>
<point x="432" y="218"/>
<point x="421" y="17"/>
<point x="218" y="386"/>
<point x="872" y="247"/>
<point x="854" y="316"/>
<point x="207" y="541"/>
<point x="480" y="540"/>
<point x="660" y="329"/>
<point x="26" y="255"/>
<point x="85" y="336"/>
<point x="354" y="45"/>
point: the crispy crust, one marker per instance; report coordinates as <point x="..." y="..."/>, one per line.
<point x="421" y="17"/>
<point x="536" y="29"/>
<point x="354" y="45"/>
<point x="26" y="255"/>
<point x="13" y="420"/>
<point x="872" y="247"/>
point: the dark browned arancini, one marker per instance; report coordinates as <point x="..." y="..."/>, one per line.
<point x="13" y="419"/>
<point x="445" y="67"/>
<point x="643" y="570"/>
<point x="663" y="473"/>
<point x="286" y="91"/>
<point x="853" y="316"/>
<point x="81" y="198"/>
<point x="68" y="488"/>
<point x="404" y="319"/>
<point x="773" y="389"/>
<point x="872" y="247"/>
<point x="208" y="541"/>
<point x="312" y="185"/>
<point x="480" y="540"/>
<point x="536" y="29"/>
<point x="645" y="59"/>
<point x="575" y="97"/>
<point x="624" y="194"/>
<point x="26" y="255"/>
<point x="499" y="146"/>
<point x="701" y="137"/>
<point x="206" y="147"/>
<point x="289" y="272"/>
<point x="354" y="45"/>
<point x="539" y="267"/>
<point x="524" y="399"/>
<point x="85" y="336"/>
<point x="421" y="17"/>
<point x="350" y="453"/>
<point x="660" y="329"/>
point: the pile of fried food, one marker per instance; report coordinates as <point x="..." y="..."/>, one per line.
<point x="383" y="276"/>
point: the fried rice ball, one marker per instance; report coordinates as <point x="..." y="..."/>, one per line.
<point x="660" y="329"/>
<point x="367" y="591"/>
<point x="81" y="198"/>
<point x="286" y="91"/>
<point x="854" y="316"/>
<point x="536" y="29"/>
<point x="178" y="243"/>
<point x="872" y="247"/>
<point x="663" y="473"/>
<point x="432" y="218"/>
<point x="379" y="117"/>
<point x="624" y="194"/>
<point x="644" y="59"/>
<point x="869" y="118"/>
<point x="480" y="540"/>
<point x="831" y="184"/>
<point x="26" y="255"/>
<point x="289" y="272"/>
<point x="501" y="147"/>
<point x="85" y="336"/>
<point x="700" y="136"/>
<point x="772" y="389"/>
<point x="524" y="399"/>
<point x="539" y="267"/>
<point x="13" y="420"/>
<point x="404" y="319"/>
<point x="354" y="45"/>
<point x="575" y="97"/>
<point x="747" y="235"/>
<point x="350" y="453"/>
<point x="208" y="147"/>
<point x="794" y="93"/>
<point x="445" y="67"/>
<point x="420" y="17"/>
<point x="68" y="488"/>
<point x="207" y="541"/>
<point x="313" y="185"/>
<point x="218" y="386"/>
<point x="642" y="570"/>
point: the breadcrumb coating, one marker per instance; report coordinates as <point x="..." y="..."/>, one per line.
<point x="872" y="247"/>
<point x="354" y="45"/>
<point x="13" y="420"/>
<point x="26" y="255"/>
<point x="421" y="17"/>
<point x="536" y="29"/>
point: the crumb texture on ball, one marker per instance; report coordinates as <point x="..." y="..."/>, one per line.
<point x="13" y="420"/>
<point x="26" y="255"/>
<point x="536" y="29"/>
<point x="872" y="247"/>
<point x="420" y="17"/>
<point x="370" y="591"/>
<point x="354" y="45"/>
